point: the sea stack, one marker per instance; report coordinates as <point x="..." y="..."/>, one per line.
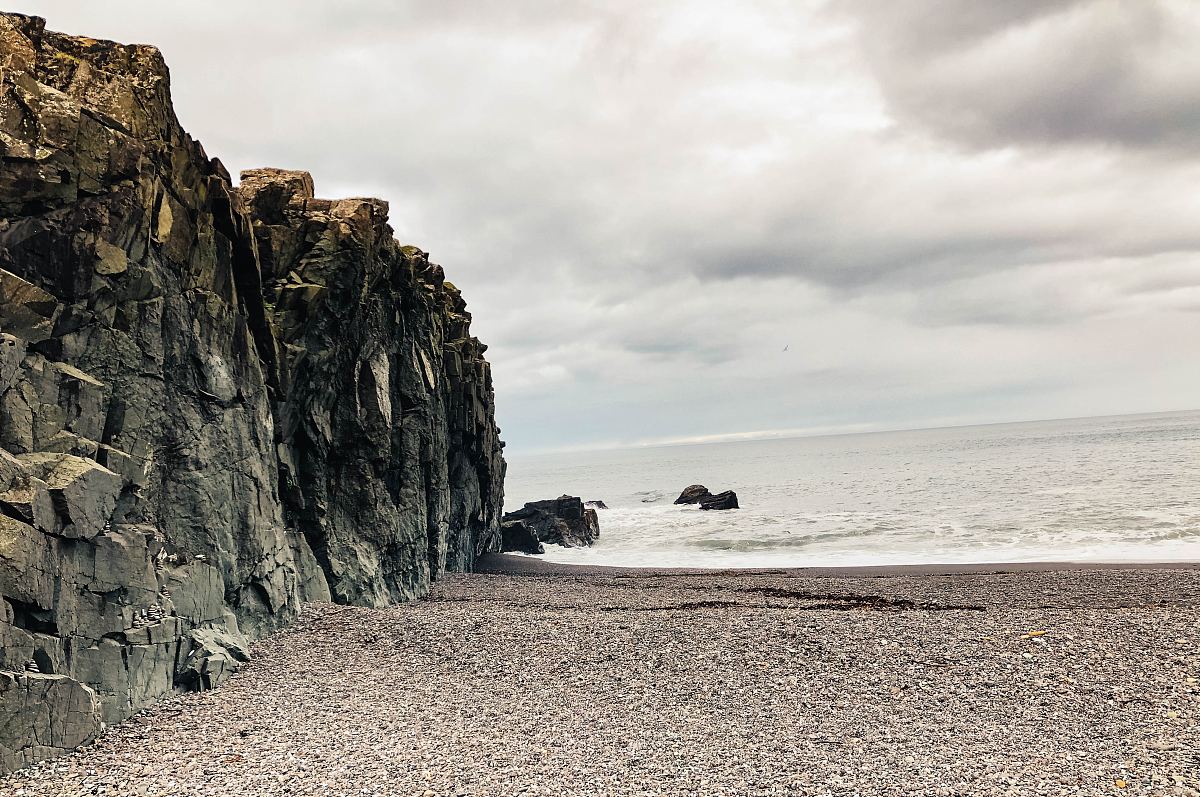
<point x="699" y="494"/>
<point x="215" y="401"/>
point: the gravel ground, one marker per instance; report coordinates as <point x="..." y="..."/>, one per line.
<point x="1078" y="682"/>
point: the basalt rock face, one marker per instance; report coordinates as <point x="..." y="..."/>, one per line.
<point x="390" y="459"/>
<point x="215" y="402"/>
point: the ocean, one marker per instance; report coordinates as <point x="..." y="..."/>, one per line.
<point x="1120" y="488"/>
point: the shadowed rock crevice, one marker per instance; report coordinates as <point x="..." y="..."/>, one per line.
<point x="215" y="401"/>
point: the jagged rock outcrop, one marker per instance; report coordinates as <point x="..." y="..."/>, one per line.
<point x="214" y="401"/>
<point x="699" y="494"/>
<point x="724" y="500"/>
<point x="559" y="521"/>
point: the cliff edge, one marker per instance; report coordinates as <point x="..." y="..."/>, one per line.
<point x="215" y="401"/>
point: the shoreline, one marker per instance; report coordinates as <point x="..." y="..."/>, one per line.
<point x="511" y="564"/>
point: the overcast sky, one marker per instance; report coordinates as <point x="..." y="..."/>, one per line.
<point x="946" y="212"/>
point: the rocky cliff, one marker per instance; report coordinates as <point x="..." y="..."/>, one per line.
<point x="215" y="401"/>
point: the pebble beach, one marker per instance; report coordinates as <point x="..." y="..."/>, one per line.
<point x="572" y="681"/>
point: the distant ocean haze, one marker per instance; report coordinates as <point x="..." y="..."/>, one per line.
<point x="1121" y="488"/>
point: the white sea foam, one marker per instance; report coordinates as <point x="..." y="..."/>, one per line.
<point x="1119" y="488"/>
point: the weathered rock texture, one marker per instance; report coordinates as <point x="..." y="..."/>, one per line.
<point x="559" y="521"/>
<point x="390" y="461"/>
<point x="215" y="402"/>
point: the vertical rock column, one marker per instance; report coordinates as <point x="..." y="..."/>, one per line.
<point x="138" y="500"/>
<point x="391" y="463"/>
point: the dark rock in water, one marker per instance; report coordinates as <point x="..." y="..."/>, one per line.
<point x="725" y="500"/>
<point x="595" y="504"/>
<point x="517" y="535"/>
<point x="699" y="494"/>
<point x="651" y="496"/>
<point x="560" y="521"/>
<point x="693" y="494"/>
<point x="215" y="402"/>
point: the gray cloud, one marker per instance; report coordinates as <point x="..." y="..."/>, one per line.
<point x="983" y="213"/>
<point x="1102" y="72"/>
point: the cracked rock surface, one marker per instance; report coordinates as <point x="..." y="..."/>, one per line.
<point x="216" y="401"/>
<point x="1064" y="683"/>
